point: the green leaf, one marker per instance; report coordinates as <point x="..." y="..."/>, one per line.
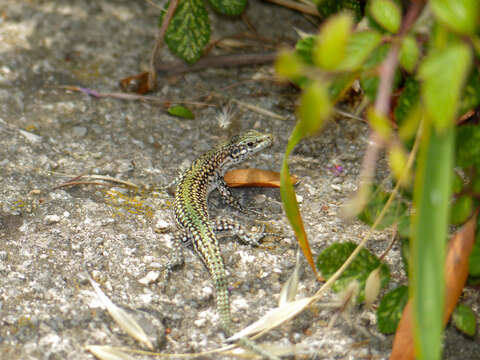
<point x="329" y="7"/>
<point x="447" y="66"/>
<point x="433" y="183"/>
<point x="181" y="111"/>
<point x="314" y="109"/>
<point x="288" y="64"/>
<point x="386" y="13"/>
<point x="395" y="212"/>
<point x="189" y="30"/>
<point x="468" y="146"/>
<point x="359" y="47"/>
<point x="228" y="7"/>
<point x="340" y="84"/>
<point x="330" y="260"/>
<point x="390" y="309"/>
<point x="407" y="100"/>
<point x="331" y="42"/>
<point x="471" y="95"/>
<point x="409" y="53"/>
<point x="369" y="80"/>
<point x="464" y="319"/>
<point x="457" y="183"/>
<point x="304" y="49"/>
<point x="459" y="15"/>
<point x="461" y="209"/>
<point x="474" y="259"/>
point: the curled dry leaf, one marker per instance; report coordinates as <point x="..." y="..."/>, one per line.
<point x="456" y="272"/>
<point x="372" y="287"/>
<point x="137" y="83"/>
<point x="255" y="177"/>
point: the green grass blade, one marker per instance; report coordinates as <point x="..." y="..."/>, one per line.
<point x="431" y="199"/>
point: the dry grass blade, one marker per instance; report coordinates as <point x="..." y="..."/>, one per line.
<point x="274" y="318"/>
<point x="122" y="318"/>
<point x="290" y="288"/>
<point x="108" y="353"/>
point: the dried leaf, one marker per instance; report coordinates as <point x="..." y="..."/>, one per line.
<point x="254" y="177"/>
<point x="137" y="83"/>
<point x="456" y="272"/>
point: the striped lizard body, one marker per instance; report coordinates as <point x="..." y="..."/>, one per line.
<point x="191" y="214"/>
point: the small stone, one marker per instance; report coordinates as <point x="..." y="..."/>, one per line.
<point x="151" y="277"/>
<point x="336" y="187"/>
<point x="79" y="131"/>
<point x="51" y="219"/>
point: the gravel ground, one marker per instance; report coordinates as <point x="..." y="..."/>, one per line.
<point x="53" y="239"/>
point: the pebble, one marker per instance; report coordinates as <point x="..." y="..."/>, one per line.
<point x="51" y="219"/>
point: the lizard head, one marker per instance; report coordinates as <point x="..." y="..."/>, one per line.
<point x="246" y="144"/>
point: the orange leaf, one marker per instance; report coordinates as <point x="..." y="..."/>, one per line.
<point x="456" y="272"/>
<point x="254" y="177"/>
<point x="137" y="83"/>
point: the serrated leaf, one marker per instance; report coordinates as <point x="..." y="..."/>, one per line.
<point x="330" y="44"/>
<point x="468" y="146"/>
<point x="447" y="66"/>
<point x="359" y="47"/>
<point x="408" y="99"/>
<point x="329" y="7"/>
<point x="228" y="7"/>
<point x="459" y="15"/>
<point x="464" y="319"/>
<point x="386" y="13"/>
<point x="471" y="94"/>
<point x="409" y="53"/>
<point x="395" y="213"/>
<point x="189" y="30"/>
<point x="181" y="111"/>
<point x="330" y="260"/>
<point x="390" y="309"/>
<point x="474" y="259"/>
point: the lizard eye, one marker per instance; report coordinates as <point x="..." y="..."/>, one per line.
<point x="250" y="144"/>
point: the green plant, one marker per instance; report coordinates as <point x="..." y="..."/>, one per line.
<point x="428" y="59"/>
<point x="189" y="29"/>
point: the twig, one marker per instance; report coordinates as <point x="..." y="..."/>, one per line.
<point x="152" y="74"/>
<point x="382" y="102"/>
<point x="179" y="67"/>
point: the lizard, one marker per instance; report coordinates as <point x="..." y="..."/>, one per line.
<point x="191" y="214"/>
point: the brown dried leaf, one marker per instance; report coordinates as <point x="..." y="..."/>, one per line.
<point x="254" y="177"/>
<point x="137" y="83"/>
<point x="456" y="272"/>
